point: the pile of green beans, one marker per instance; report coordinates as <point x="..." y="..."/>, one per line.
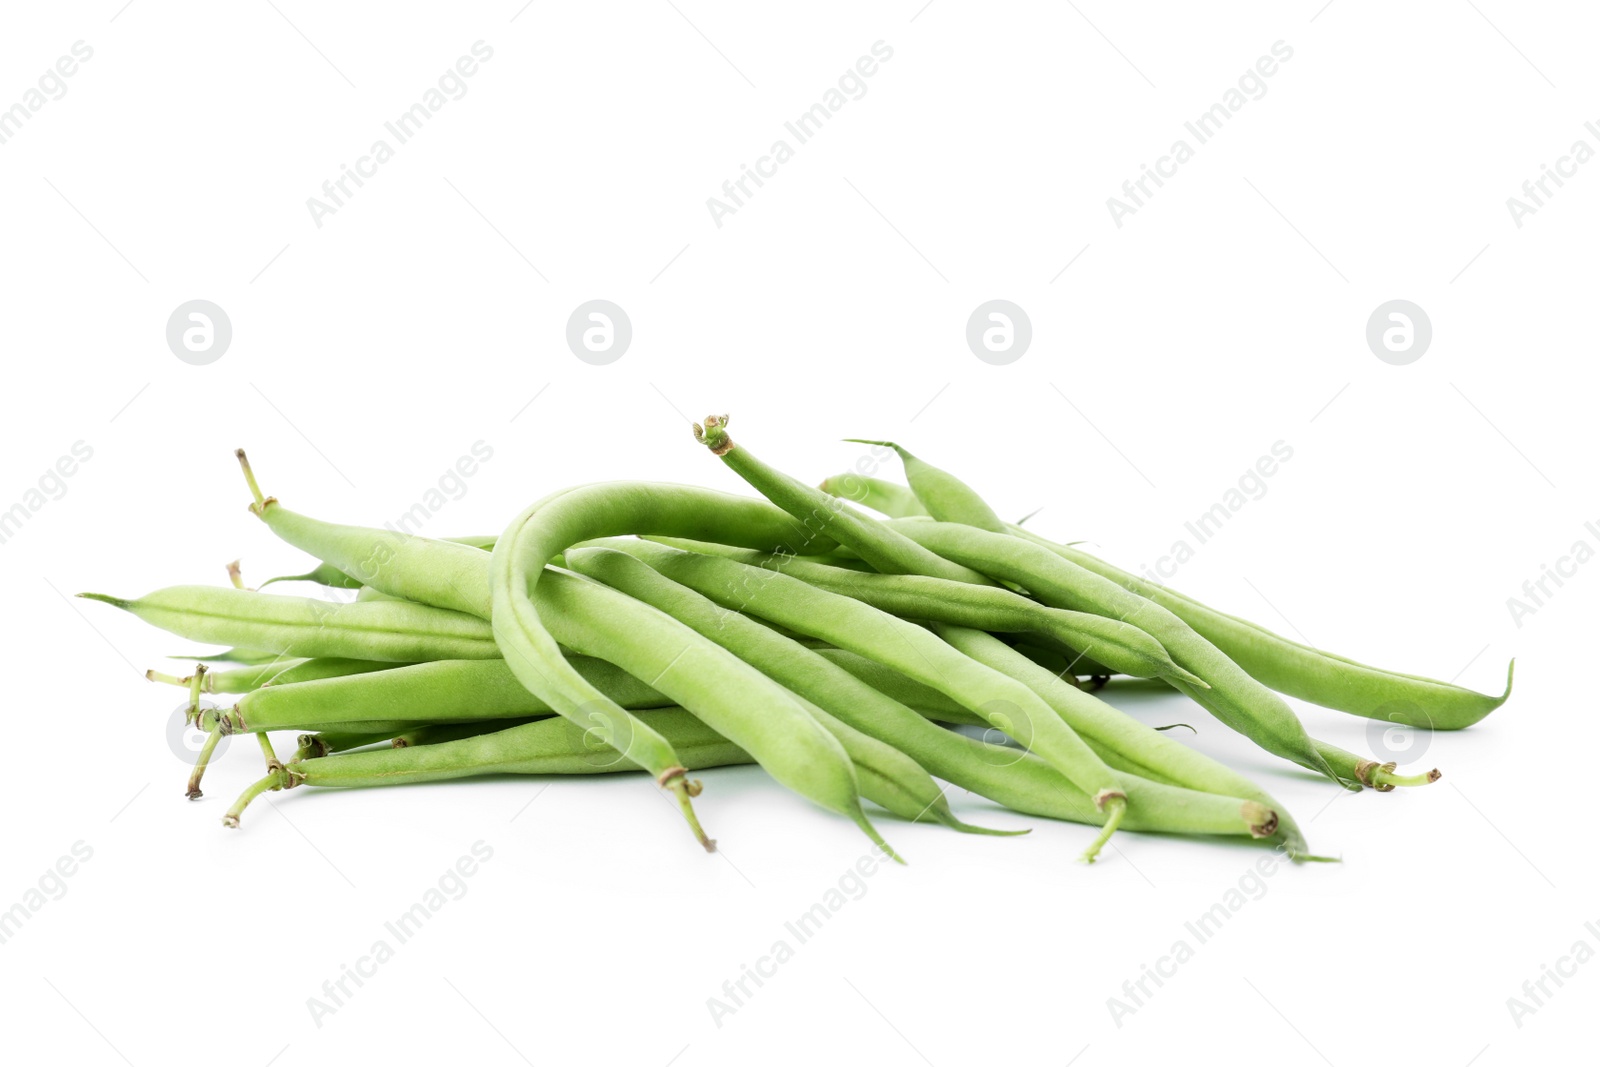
<point x="862" y="662"/>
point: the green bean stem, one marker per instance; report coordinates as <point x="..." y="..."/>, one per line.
<point x="879" y="545"/>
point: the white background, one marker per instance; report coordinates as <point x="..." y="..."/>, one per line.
<point x="1168" y="354"/>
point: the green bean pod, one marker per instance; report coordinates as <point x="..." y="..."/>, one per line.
<point x="884" y="497"/>
<point x="946" y="497"/>
<point x="1307" y="673"/>
<point x="915" y="596"/>
<point x="888" y="776"/>
<point x="525" y="635"/>
<point x="548" y="746"/>
<point x="441" y="691"/>
<point x="302" y="626"/>
<point x="861" y="628"/>
<point x="1238" y="700"/>
<point x="874" y="542"/>
<point x="1142" y="751"/>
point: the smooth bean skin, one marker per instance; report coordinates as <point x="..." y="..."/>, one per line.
<point x="884" y="497"/>
<point x="453" y="574"/>
<point x="726" y="693"/>
<point x="549" y="746"/>
<point x="455" y="731"/>
<point x="916" y="596"/>
<point x="888" y="776"/>
<point x="852" y="625"/>
<point x="813" y="675"/>
<point x="1307" y="673"/>
<point x="1238" y="700"/>
<point x="946" y="497"/>
<point x="306" y="627"/>
<point x="874" y="542"/>
<point x="441" y="691"/>
<point x="444" y="573"/>
<point x="1025" y="783"/>
<point x="782" y="738"/>
<point x="927" y="701"/>
<point x="1142" y="750"/>
<point x="326" y="573"/>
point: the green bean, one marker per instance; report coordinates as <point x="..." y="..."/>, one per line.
<point x="886" y="498"/>
<point x="946" y="497"/>
<point x="552" y="525"/>
<point x="549" y="746"/>
<point x="1145" y="751"/>
<point x="329" y="575"/>
<point x="300" y="626"/>
<point x="915" y="596"/>
<point x="453" y="576"/>
<point x="1307" y="673"/>
<point x="443" y="574"/>
<point x="435" y="733"/>
<point x="927" y="700"/>
<point x="861" y="628"/>
<point x="440" y="691"/>
<point x="732" y="697"/>
<point x="1025" y="783"/>
<point x="888" y="777"/>
<point x="874" y="542"/>
<point x="280" y="671"/>
<point x="1235" y="698"/>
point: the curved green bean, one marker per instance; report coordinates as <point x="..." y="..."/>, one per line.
<point x="884" y="497"/>
<point x="874" y="542"/>
<point x="850" y="624"/>
<point x="1310" y="674"/>
<point x="888" y="776"/>
<point x="946" y="497"/>
<point x="729" y="695"/>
